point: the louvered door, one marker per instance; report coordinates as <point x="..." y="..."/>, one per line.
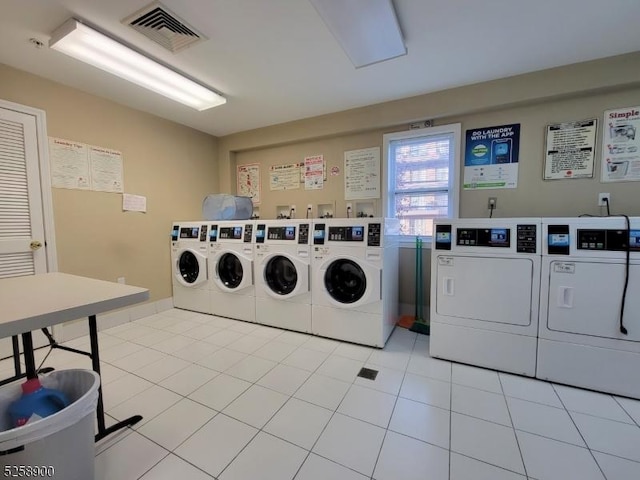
<point x="22" y="241"/>
<point x="22" y="250"/>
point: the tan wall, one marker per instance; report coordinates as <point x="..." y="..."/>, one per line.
<point x="534" y="100"/>
<point x="172" y="165"/>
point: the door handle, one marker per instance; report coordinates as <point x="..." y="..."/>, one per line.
<point x="565" y="297"/>
<point x="447" y="286"/>
<point x="35" y="245"/>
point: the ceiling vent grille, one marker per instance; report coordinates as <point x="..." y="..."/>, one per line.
<point x="158" y="23"/>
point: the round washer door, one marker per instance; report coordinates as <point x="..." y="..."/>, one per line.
<point x="349" y="283"/>
<point x="191" y="268"/>
<point x="285" y="277"/>
<point x="345" y="281"/>
<point x="232" y="272"/>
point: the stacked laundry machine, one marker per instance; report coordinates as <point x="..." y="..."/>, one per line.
<point x="354" y="273"/>
<point x="231" y="276"/>
<point x="189" y="252"/>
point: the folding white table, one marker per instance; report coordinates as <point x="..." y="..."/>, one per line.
<point x="34" y="302"/>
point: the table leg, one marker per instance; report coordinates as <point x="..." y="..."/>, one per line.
<point x="95" y="361"/>
<point x="29" y="360"/>
<point x="16" y="355"/>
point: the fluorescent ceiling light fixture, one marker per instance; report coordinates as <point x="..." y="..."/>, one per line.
<point x="367" y="30"/>
<point x="90" y="46"/>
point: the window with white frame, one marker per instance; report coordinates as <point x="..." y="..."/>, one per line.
<point x="423" y="177"/>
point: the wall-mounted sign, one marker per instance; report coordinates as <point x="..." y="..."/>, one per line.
<point x="491" y="157"/>
<point x="284" y="177"/>
<point x="248" y="181"/>
<point x="570" y="150"/>
<point x="621" y="145"/>
<point x="362" y="173"/>
<point x="76" y="165"/>
<point x="314" y="172"/>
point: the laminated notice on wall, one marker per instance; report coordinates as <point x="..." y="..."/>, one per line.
<point x="314" y="172"/>
<point x="248" y="181"/>
<point x="570" y="150"/>
<point x="106" y="169"/>
<point x="284" y="177"/>
<point x="86" y="167"/>
<point x="69" y="164"/>
<point x="621" y="145"/>
<point x="362" y="173"/>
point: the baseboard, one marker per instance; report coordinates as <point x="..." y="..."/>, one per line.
<point x="78" y="328"/>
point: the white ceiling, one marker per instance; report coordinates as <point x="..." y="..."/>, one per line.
<point x="275" y="60"/>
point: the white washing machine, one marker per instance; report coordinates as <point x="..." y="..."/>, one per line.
<point x="355" y="279"/>
<point x="232" y="290"/>
<point x="584" y="270"/>
<point x="282" y="271"/>
<point x="485" y="285"/>
<point x="189" y="253"/>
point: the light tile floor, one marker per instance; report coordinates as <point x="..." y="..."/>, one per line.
<point x="238" y="401"/>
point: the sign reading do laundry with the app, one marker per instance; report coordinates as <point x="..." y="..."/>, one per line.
<point x="491" y="157"/>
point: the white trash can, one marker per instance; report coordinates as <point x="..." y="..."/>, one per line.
<point x="60" y="446"/>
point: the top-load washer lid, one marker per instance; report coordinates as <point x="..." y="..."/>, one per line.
<point x="345" y="281"/>
<point x="191" y="268"/>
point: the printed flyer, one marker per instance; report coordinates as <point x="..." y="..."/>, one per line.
<point x="621" y="145"/>
<point x="570" y="150"/>
<point x="491" y="157"/>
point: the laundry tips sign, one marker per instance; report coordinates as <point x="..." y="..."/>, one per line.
<point x="491" y="157"/>
<point x="621" y="145"/>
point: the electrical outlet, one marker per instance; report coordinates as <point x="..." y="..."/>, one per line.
<point x="121" y="280"/>
<point x="349" y="207"/>
<point x="601" y="199"/>
<point x="492" y="203"/>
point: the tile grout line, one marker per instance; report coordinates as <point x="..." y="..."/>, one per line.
<point x="579" y="432"/>
<point x="513" y="427"/>
<point x="395" y="403"/>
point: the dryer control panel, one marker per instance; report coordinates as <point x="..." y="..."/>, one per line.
<point x="213" y="233"/>
<point x="610" y="240"/>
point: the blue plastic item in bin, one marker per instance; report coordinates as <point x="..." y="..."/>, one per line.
<point x="36" y="400"/>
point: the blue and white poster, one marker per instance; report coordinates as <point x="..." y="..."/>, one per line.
<point x="491" y="157"/>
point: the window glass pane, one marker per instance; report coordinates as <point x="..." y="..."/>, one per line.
<point x="421" y="162"/>
<point x="416" y="211"/>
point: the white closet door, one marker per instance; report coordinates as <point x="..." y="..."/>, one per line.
<point x="22" y="240"/>
<point x="22" y="250"/>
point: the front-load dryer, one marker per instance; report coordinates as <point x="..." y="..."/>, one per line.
<point x="232" y="290"/>
<point x="355" y="279"/>
<point x="189" y="266"/>
<point x="485" y="284"/>
<point x="282" y="271"/>
<point x="588" y="264"/>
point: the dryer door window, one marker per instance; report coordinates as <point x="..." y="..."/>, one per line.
<point x="345" y="281"/>
<point x="189" y="267"/>
<point x="230" y="270"/>
<point x="281" y="275"/>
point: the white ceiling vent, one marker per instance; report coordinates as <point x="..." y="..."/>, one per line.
<point x="157" y="22"/>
